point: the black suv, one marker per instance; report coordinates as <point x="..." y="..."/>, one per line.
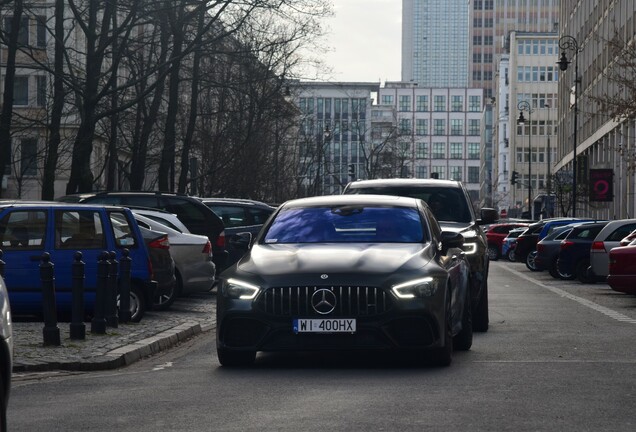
<point x="239" y="215"/>
<point x="451" y="205"/>
<point x="195" y="215"/>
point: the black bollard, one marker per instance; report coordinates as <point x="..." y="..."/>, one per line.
<point x="124" y="287"/>
<point x="51" y="332"/>
<point x="2" y="264"/>
<point x="111" y="293"/>
<point x="98" y="324"/>
<point x="77" y="327"/>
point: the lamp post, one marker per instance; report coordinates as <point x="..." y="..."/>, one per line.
<point x="568" y="43"/>
<point x="525" y="106"/>
<point x="326" y="135"/>
<point x="548" y="178"/>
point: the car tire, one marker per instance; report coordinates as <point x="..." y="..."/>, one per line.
<point x="554" y="271"/>
<point x="563" y="275"/>
<point x="464" y="339"/>
<point x="511" y="255"/>
<point x="235" y="358"/>
<point x="443" y="356"/>
<point x="493" y="252"/>
<point x="480" y="312"/>
<point x="581" y="271"/>
<point x="530" y="261"/>
<point x="163" y="302"/>
<point x="137" y="303"/>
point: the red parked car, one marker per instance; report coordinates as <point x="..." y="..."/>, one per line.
<point x="622" y="269"/>
<point x="496" y="234"/>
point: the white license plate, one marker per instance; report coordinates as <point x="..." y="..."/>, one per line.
<point x="325" y="325"/>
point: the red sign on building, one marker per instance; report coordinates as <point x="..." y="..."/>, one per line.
<point x="601" y="185"/>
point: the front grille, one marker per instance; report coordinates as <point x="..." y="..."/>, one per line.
<point x="351" y="301"/>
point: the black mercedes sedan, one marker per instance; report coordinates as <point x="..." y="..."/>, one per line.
<point x="347" y="272"/>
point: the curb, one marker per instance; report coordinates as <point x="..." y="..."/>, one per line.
<point x="122" y="356"/>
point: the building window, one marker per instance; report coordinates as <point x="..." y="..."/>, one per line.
<point x="405" y="126"/>
<point x="41" y="31"/>
<point x="41" y="90"/>
<point x="421" y="150"/>
<point x="488" y="22"/>
<point x="421" y="171"/>
<point x="488" y="40"/>
<point x="456" y="173"/>
<point x="474" y="103"/>
<point x="476" y="75"/>
<point x="473" y="174"/>
<point x="21" y="91"/>
<point x="476" y="40"/>
<point x="487" y="57"/>
<point x="476" y="57"/>
<point x="473" y="127"/>
<point x="387" y="99"/>
<point x="439" y="150"/>
<point x="477" y="22"/>
<point x="457" y="103"/>
<point x="439" y="127"/>
<point x="405" y="103"/>
<point x="422" y="103"/>
<point x="457" y="127"/>
<point x="473" y="150"/>
<point x="487" y="75"/>
<point x="28" y="159"/>
<point x="456" y="150"/>
<point x="23" y="33"/>
<point x="440" y="103"/>
<point x="421" y="127"/>
<point x="439" y="170"/>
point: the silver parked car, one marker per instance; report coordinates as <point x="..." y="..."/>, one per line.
<point x="607" y="239"/>
<point x="6" y="354"/>
<point x="192" y="255"/>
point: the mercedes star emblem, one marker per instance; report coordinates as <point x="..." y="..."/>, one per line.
<point x="323" y="301"/>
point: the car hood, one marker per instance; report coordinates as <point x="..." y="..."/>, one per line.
<point x="272" y="260"/>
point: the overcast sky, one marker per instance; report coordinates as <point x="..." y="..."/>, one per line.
<point x="365" y="36"/>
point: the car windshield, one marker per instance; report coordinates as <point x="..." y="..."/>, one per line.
<point x="448" y="204"/>
<point x="346" y="224"/>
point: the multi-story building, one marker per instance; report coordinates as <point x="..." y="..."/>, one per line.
<point x="437" y="130"/>
<point x="491" y="21"/>
<point x="527" y="85"/>
<point x="435" y="42"/>
<point x="599" y="140"/>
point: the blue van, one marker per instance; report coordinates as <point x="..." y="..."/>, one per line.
<point x="28" y="229"/>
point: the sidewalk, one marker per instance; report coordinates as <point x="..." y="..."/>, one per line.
<point x="120" y="346"/>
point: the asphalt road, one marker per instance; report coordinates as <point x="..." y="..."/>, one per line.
<point x="559" y="356"/>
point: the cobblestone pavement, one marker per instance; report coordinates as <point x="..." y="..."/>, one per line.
<point x="158" y="330"/>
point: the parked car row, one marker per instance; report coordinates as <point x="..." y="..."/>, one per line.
<point x="168" y="258"/>
<point x="586" y="250"/>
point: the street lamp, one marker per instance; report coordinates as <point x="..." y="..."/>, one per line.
<point x="525" y="106"/>
<point x="568" y="43"/>
<point x="549" y="179"/>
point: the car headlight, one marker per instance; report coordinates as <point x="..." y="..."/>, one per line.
<point x="424" y="287"/>
<point x="470" y="234"/>
<point x="469" y="248"/>
<point x="238" y="289"/>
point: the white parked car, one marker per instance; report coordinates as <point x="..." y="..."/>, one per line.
<point x="192" y="254"/>
<point x="607" y="239"/>
<point x="6" y="354"/>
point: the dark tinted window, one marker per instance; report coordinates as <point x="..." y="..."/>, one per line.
<point x="80" y="229"/>
<point x="23" y="230"/>
<point x="447" y="204"/>
<point x="232" y="216"/>
<point x="587" y="233"/>
<point x="621" y="232"/>
<point x="259" y="216"/>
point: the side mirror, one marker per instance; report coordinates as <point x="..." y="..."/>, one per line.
<point x="241" y="241"/>
<point x="451" y="239"/>
<point x="488" y="216"/>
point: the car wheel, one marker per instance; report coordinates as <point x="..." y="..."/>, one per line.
<point x="581" y="271"/>
<point x="530" y="261"/>
<point x="493" y="252"/>
<point x="137" y="303"/>
<point x="554" y="272"/>
<point x="464" y="339"/>
<point x="562" y="274"/>
<point x="511" y="255"/>
<point x="163" y="301"/>
<point x="480" y="312"/>
<point x="443" y="356"/>
<point x="235" y="358"/>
